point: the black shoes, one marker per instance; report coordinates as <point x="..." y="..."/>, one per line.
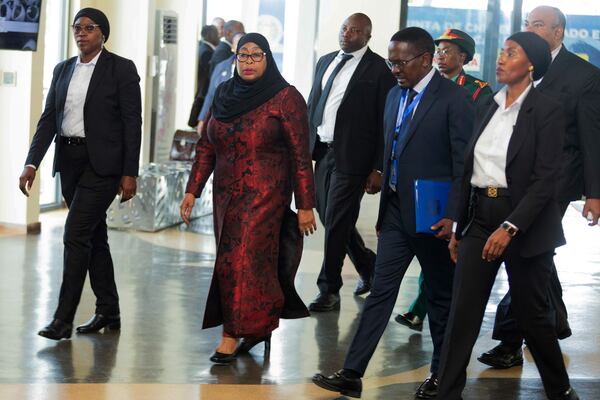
<point x="410" y="320"/>
<point x="99" y="321"/>
<point x="325" y="302"/>
<point x="339" y="382"/>
<point x="503" y="356"/>
<point x="223" y="358"/>
<point x="570" y="394"/>
<point x="428" y="389"/>
<point x="363" y="286"/>
<point x="57" y="330"/>
<point x="248" y="343"/>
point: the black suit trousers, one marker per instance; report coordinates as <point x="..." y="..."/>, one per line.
<point x="506" y="328"/>
<point x="88" y="196"/>
<point x="528" y="279"/>
<point x="338" y="205"/>
<point x="395" y="251"/>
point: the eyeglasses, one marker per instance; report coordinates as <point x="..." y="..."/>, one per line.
<point x="401" y="63"/>
<point x="256" y="57"/>
<point x="88" y="28"/>
<point x="443" y="52"/>
<point x="350" y="29"/>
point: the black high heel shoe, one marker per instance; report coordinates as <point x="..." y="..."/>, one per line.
<point x="247" y="344"/>
<point x="223" y="358"/>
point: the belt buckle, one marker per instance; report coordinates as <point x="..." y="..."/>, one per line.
<point x="491" y="191"/>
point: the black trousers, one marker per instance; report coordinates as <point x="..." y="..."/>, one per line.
<point x="338" y="205"/>
<point x="395" y="251"/>
<point x="528" y="279"/>
<point x="506" y="328"/>
<point x="88" y="196"/>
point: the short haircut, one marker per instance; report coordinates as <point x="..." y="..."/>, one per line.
<point x="366" y="20"/>
<point x="231" y="25"/>
<point x="418" y="37"/>
<point x="206" y="30"/>
<point x="560" y="18"/>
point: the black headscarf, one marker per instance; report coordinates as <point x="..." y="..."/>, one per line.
<point x="236" y="97"/>
<point x="97" y="16"/>
<point x="537" y="50"/>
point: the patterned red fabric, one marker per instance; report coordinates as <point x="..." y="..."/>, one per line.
<point x="258" y="160"/>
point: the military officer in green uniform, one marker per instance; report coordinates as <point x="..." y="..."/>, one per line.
<point x="454" y="50"/>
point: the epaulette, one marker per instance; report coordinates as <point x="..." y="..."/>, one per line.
<point x="481" y="84"/>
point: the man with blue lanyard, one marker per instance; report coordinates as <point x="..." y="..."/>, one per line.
<point x="427" y="123"/>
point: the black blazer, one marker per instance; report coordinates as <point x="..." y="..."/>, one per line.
<point x="222" y="52"/>
<point x="575" y="84"/>
<point x="531" y="172"/>
<point x="358" y="133"/>
<point x="434" y="146"/>
<point x="112" y="115"/>
<point x="205" y="53"/>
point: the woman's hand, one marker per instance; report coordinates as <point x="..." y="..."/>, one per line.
<point x="306" y="222"/>
<point x="186" y="207"/>
<point x="453" y="248"/>
<point x="495" y="245"/>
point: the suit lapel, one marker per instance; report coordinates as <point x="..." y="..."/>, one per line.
<point x="327" y="59"/>
<point x="361" y="68"/>
<point x="99" y="70"/>
<point x="556" y="69"/>
<point x="65" y="79"/>
<point x="429" y="97"/>
<point x="520" y="130"/>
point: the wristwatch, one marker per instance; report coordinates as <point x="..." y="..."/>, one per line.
<point x="509" y="228"/>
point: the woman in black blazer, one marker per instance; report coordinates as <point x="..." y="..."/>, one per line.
<point x="509" y="214"/>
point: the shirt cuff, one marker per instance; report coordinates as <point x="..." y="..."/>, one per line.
<point x="32" y="166"/>
<point x="511" y="225"/>
<point x="454" y="225"/>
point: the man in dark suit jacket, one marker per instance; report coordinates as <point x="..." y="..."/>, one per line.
<point x="346" y="140"/>
<point x="93" y="113"/>
<point x="575" y="83"/>
<point x="223" y="50"/>
<point x="425" y="138"/>
<point x="206" y="48"/>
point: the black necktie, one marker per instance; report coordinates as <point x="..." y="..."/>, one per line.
<point x="320" y="108"/>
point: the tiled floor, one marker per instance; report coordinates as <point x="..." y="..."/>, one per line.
<point x="161" y="352"/>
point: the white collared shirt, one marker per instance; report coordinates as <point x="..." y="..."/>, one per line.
<point x="209" y="44"/>
<point x="419" y="87"/>
<point x="489" y="167"/>
<point x="336" y="94"/>
<point x="72" y="123"/>
<point x="553" y="53"/>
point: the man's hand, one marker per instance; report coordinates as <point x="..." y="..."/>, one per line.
<point x="373" y="184"/>
<point x="495" y="245"/>
<point x="187" y="205"/>
<point x="591" y="206"/>
<point x="127" y="187"/>
<point x="453" y="248"/>
<point x="306" y="222"/>
<point x="199" y="127"/>
<point x="445" y="227"/>
<point x="26" y="180"/>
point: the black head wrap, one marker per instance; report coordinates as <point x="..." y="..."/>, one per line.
<point x="97" y="16"/>
<point x="537" y="50"/>
<point x="236" y="96"/>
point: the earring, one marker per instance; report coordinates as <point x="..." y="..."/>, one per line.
<point x="531" y="68"/>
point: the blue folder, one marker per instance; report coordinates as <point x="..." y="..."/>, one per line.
<point x="431" y="199"/>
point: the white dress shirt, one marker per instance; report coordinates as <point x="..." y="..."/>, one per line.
<point x="489" y="167"/>
<point x="72" y="123"/>
<point x="340" y="83"/>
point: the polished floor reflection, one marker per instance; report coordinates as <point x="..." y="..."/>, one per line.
<point x="161" y="352"/>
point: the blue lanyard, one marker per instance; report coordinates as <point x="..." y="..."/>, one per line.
<point x="408" y="110"/>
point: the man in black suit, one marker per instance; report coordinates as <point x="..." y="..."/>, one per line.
<point x="223" y="50"/>
<point x="346" y="140"/>
<point x="575" y="83"/>
<point x="93" y="113"/>
<point x="206" y="48"/>
<point x="427" y="121"/>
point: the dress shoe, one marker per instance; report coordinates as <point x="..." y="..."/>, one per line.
<point x="502" y="356"/>
<point x="339" y="382"/>
<point x="223" y="358"/>
<point x="570" y="394"/>
<point x="57" y="330"/>
<point x="99" y="321"/>
<point x="410" y="320"/>
<point x="325" y="302"/>
<point x="248" y="343"/>
<point x="362" y="286"/>
<point x="428" y="389"/>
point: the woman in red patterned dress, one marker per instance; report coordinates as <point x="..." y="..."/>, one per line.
<point x="256" y="143"/>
